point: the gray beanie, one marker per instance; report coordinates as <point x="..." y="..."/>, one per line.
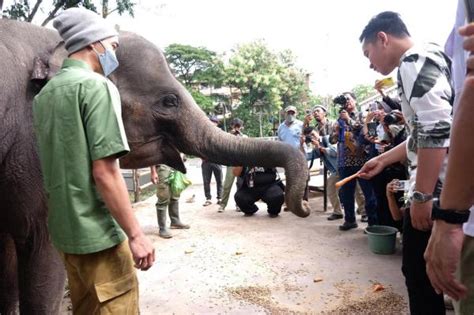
<point x="80" y="27"/>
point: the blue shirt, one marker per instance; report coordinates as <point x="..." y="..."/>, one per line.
<point x="291" y="134"/>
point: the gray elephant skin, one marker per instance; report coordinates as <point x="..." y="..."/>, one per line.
<point x="161" y="119"/>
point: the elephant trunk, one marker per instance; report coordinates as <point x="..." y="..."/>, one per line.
<point x="205" y="140"/>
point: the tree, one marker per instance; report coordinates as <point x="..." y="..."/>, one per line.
<point x="194" y="65"/>
<point x="363" y="91"/>
<point x="267" y="82"/>
<point x="26" y="10"/>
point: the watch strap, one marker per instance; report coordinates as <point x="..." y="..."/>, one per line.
<point x="449" y="215"/>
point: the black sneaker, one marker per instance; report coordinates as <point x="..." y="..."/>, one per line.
<point x="364" y="219"/>
<point x="347" y="226"/>
<point x="335" y="216"/>
<point x="273" y="215"/>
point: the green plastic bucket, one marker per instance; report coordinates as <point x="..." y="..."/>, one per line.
<point x="382" y="239"/>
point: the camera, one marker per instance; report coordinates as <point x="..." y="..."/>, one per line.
<point x="391" y="119"/>
<point x="308" y="139"/>
<point x="341" y="100"/>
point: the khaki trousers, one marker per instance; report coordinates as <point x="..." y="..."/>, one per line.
<point x="466" y="275"/>
<point x="104" y="282"/>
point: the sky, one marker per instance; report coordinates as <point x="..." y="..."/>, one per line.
<point x="323" y="35"/>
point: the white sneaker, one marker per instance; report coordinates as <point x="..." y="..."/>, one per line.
<point x="221" y="209"/>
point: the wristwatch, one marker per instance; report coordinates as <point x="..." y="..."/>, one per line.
<point x="421" y="197"/>
<point x="449" y="215"/>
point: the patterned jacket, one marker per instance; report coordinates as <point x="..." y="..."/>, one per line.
<point x="424" y="86"/>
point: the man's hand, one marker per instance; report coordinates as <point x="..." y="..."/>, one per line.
<point x="420" y="214"/>
<point x="154" y="178"/>
<point x="344" y="115"/>
<point x="371" y="168"/>
<point x="442" y="258"/>
<point x="302" y="138"/>
<point x="143" y="252"/>
<point x="370" y="116"/>
<point x="307" y="119"/>
<point x="379" y="87"/>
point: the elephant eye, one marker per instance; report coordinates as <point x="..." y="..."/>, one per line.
<point x="170" y="100"/>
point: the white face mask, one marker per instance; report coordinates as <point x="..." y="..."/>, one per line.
<point x="290" y="118"/>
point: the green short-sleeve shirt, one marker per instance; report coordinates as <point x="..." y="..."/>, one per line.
<point x="77" y="118"/>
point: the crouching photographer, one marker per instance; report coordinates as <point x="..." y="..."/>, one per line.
<point x="259" y="183"/>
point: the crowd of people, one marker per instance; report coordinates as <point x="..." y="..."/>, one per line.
<point x="398" y="148"/>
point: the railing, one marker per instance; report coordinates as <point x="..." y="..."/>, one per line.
<point x="137" y="180"/>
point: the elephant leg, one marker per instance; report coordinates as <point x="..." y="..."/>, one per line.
<point x="8" y="275"/>
<point x="41" y="279"/>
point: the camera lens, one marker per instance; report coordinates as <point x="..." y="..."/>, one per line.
<point x="390" y="119"/>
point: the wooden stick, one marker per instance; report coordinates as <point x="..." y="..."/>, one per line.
<point x="346" y="180"/>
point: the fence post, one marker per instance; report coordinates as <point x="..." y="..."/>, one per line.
<point x="136" y="185"/>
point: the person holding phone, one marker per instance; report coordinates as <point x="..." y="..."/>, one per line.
<point x="383" y="135"/>
<point x="395" y="191"/>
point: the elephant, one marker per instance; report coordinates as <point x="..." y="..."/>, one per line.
<point x="161" y="119"/>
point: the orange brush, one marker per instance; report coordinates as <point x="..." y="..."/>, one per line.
<point x="346" y="180"/>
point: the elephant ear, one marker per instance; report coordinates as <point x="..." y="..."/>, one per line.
<point x="45" y="68"/>
<point x="56" y="60"/>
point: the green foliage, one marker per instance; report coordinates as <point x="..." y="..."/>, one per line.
<point x="205" y="102"/>
<point x="125" y="6"/>
<point x="268" y="82"/>
<point x="25" y="10"/>
<point x="194" y="65"/>
<point x="363" y="91"/>
<point x="18" y="11"/>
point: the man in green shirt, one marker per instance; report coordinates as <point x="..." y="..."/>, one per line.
<point x="77" y="118"/>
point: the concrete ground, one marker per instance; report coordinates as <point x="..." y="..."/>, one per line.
<point x="231" y="264"/>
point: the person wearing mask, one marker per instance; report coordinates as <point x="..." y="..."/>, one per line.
<point x="80" y="134"/>
<point x="290" y="130"/>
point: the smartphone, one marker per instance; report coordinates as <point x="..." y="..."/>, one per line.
<point x="469" y="10"/>
<point x="402" y="185"/>
<point x="387" y="82"/>
<point x="372" y="129"/>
